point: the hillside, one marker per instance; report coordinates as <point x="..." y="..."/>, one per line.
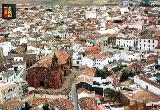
<point x="63" y="2"/>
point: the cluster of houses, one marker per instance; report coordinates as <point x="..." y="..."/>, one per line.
<point x="114" y="38"/>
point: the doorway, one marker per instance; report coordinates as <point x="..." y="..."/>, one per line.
<point x="42" y="83"/>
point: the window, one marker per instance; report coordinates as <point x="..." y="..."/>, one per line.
<point x="148" y="45"/>
<point x="146" y="87"/>
<point x="153" y="41"/>
<point x="144" y="45"/>
<point x="153" y="45"/>
<point x="148" y="41"/>
<point x="77" y="62"/>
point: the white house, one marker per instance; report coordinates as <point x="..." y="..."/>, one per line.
<point x="6" y="46"/>
<point x="7" y="76"/>
<point x="78" y="48"/>
<point x="23" y="40"/>
<point x="96" y="60"/>
<point x="127" y="56"/>
<point x="125" y="42"/>
<point x="77" y="59"/>
<point x="87" y="61"/>
<point x="99" y="80"/>
<point x="130" y="56"/>
<point x="90" y="14"/>
<point x="124" y="10"/>
<point x="136" y="26"/>
<point x="18" y="58"/>
<point x="147" y="44"/>
<point x="147" y="84"/>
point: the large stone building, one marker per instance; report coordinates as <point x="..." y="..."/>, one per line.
<point x="50" y="71"/>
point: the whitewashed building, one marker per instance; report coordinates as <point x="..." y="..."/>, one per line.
<point x="6" y="46"/>
<point x="97" y="60"/>
<point x="125" y="42"/>
<point x="147" y="84"/>
<point x="147" y="44"/>
<point x="18" y="58"/>
<point x="77" y="59"/>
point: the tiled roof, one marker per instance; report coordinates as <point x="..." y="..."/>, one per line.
<point x="98" y="56"/>
<point x="87" y="103"/>
<point x="142" y="95"/>
<point x="93" y="50"/>
<point x="80" y="90"/>
<point x="4" y="86"/>
<point x="116" y="75"/>
<point x="62" y="104"/>
<point x="84" y="78"/>
<point x="12" y="104"/>
<point x="62" y="57"/>
<point x="46" y="61"/>
<point x="88" y="71"/>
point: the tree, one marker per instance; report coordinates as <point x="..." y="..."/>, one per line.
<point x="27" y="106"/>
<point x="46" y="107"/>
<point x="124" y="76"/>
<point x="112" y="94"/>
<point x="130" y="48"/>
<point x="96" y="83"/>
<point x="103" y="73"/>
<point x="118" y="68"/>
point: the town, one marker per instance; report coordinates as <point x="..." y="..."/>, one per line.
<point x="96" y="57"/>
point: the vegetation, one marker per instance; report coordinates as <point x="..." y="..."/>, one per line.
<point x="130" y="48"/>
<point x="145" y="3"/>
<point x="112" y="94"/>
<point x="127" y="89"/>
<point x="157" y="77"/>
<point x="157" y="67"/>
<point x="118" y="68"/>
<point x="103" y="73"/>
<point x="96" y="83"/>
<point x="46" y="107"/>
<point x="127" y="73"/>
<point x="27" y="106"/>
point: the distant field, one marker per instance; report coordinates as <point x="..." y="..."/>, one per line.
<point x="62" y="2"/>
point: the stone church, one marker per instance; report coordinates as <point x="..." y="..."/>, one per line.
<point x="50" y="71"/>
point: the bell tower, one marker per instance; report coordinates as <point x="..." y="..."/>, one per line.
<point x="54" y="60"/>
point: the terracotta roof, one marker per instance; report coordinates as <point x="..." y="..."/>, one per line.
<point x="46" y="61"/>
<point x="62" y="57"/>
<point x="4" y="86"/>
<point x="98" y="56"/>
<point x="80" y="90"/>
<point x="92" y="37"/>
<point x="116" y="75"/>
<point x="62" y="104"/>
<point x="93" y="50"/>
<point x="141" y="94"/>
<point x="84" y="78"/>
<point x="116" y="84"/>
<point x="88" y="71"/>
<point x="101" y="107"/>
<point x="12" y="104"/>
<point x="87" y="103"/>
